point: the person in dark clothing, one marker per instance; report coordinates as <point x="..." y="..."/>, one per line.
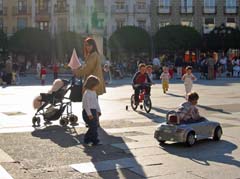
<point x="139" y="79"/>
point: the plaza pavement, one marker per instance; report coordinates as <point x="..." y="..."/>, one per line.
<point x="129" y="149"/>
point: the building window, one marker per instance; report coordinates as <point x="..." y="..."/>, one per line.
<point x="188" y="23"/>
<point x="141" y="4"/>
<point x="231" y="22"/>
<point x="1" y="23"/>
<point x="231" y="7"/>
<point x="61" y="3"/>
<point x="22" y="6"/>
<point x="164" y="6"/>
<point x="186" y="6"/>
<point x="209" y="7"/>
<point x="1" y="6"/>
<point x="21" y="23"/>
<point x="120" y="5"/>
<point x="120" y="23"/>
<point x="163" y="24"/>
<point x="142" y="24"/>
<point x="43" y="4"/>
<point x="209" y="25"/>
<point x="44" y="25"/>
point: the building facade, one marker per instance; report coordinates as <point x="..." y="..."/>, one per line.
<point x="103" y="17"/>
<point x="51" y="15"/>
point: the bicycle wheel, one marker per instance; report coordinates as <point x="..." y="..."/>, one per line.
<point x="133" y="104"/>
<point x="147" y="104"/>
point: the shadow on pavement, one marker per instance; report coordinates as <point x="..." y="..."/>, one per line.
<point x="213" y="109"/>
<point x="107" y="152"/>
<point x="63" y="136"/>
<point x="175" y="95"/>
<point x="205" y="151"/>
<point x="68" y="137"/>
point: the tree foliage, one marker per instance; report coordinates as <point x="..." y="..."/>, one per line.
<point x="65" y="42"/>
<point x="222" y="38"/>
<point x="3" y="44"/>
<point x="176" y="38"/>
<point x="31" y="41"/>
<point x="130" y="39"/>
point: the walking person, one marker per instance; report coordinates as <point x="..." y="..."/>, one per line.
<point x="210" y="64"/>
<point x="179" y="65"/>
<point x="92" y="65"/>
<point x="165" y="76"/>
<point x="55" y="71"/>
<point x="43" y="74"/>
<point x="188" y="79"/>
<point x="91" y="109"/>
<point x="9" y="70"/>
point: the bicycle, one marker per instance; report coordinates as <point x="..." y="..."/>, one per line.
<point x="143" y="98"/>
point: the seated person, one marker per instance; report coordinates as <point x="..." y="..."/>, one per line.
<point x="139" y="79"/>
<point x="187" y="111"/>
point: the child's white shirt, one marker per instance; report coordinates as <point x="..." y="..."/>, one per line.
<point x="90" y="101"/>
<point x="165" y="76"/>
<point x="187" y="78"/>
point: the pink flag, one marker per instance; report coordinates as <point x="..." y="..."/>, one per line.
<point x="74" y="62"/>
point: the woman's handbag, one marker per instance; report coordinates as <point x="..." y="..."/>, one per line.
<point x="76" y="91"/>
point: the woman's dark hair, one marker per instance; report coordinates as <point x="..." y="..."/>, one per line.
<point x="92" y="42"/>
<point x="91" y="82"/>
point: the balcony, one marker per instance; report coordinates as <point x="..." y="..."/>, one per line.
<point x="209" y="10"/>
<point x="3" y="11"/>
<point x="120" y="9"/>
<point x="61" y="9"/>
<point x="19" y="11"/>
<point x="230" y="9"/>
<point x="43" y="14"/>
<point x="186" y="9"/>
<point x="141" y="9"/>
<point x="164" y="9"/>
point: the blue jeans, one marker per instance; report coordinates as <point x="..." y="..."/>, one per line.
<point x="92" y="134"/>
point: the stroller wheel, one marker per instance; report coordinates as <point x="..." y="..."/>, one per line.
<point x="141" y="106"/>
<point x="64" y="121"/>
<point x="38" y="121"/>
<point x="73" y="119"/>
<point x="34" y="120"/>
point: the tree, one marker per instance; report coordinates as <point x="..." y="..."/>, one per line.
<point x="130" y="39"/>
<point x="3" y="45"/>
<point x="176" y="38"/>
<point x="65" y="42"/>
<point x="222" y="38"/>
<point x="31" y="42"/>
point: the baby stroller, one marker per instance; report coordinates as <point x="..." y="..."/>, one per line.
<point x="55" y="103"/>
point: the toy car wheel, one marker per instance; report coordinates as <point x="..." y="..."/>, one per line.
<point x="133" y="104"/>
<point x="217" y="133"/>
<point x="34" y="120"/>
<point x="190" y="141"/>
<point x="64" y="121"/>
<point x="161" y="142"/>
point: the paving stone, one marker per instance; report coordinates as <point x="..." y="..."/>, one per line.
<point x="4" y="174"/>
<point x="105" y="165"/>
<point x="134" y="145"/>
<point x="4" y="157"/>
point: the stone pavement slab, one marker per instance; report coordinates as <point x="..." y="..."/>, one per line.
<point x="4" y="174"/>
<point x="4" y="157"/>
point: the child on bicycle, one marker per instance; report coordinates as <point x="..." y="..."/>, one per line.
<point x="139" y="80"/>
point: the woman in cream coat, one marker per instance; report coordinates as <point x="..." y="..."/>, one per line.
<point x="92" y="65"/>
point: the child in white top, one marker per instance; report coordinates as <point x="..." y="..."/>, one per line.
<point x="165" y="76"/>
<point x="188" y="79"/>
<point x="91" y="109"/>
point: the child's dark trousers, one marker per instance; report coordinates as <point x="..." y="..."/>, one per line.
<point x="92" y="134"/>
